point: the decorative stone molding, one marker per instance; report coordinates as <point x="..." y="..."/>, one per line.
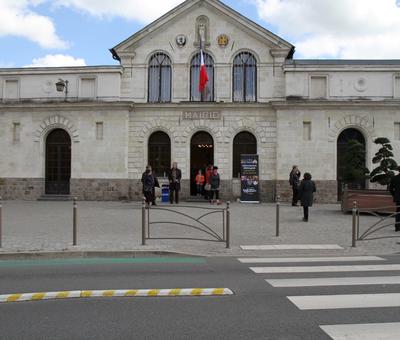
<point x="351" y="121"/>
<point x="246" y="124"/>
<point x="201" y="125"/>
<point x="154" y="125"/>
<point x="56" y="122"/>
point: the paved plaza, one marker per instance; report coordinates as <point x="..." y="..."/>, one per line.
<point x="35" y="226"/>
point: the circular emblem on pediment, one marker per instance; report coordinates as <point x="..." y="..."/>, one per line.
<point x="223" y="40"/>
<point x="180" y="40"/>
<point x="360" y="84"/>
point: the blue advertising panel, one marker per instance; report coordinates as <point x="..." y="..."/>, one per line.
<point x="249" y="179"/>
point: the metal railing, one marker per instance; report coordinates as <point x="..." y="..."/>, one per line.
<point x="383" y="214"/>
<point x="197" y="223"/>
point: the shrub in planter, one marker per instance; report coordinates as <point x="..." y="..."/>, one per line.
<point x="355" y="173"/>
<point x="383" y="173"/>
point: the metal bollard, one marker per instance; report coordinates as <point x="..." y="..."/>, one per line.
<point x="277" y="215"/>
<point x="75" y="222"/>
<point x="1" y="208"/>
<point x="228" y="225"/>
<point x="354" y="225"/>
<point x="144" y="222"/>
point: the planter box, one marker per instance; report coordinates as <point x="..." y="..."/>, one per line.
<point x="374" y="200"/>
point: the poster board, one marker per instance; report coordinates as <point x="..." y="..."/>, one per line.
<point x="249" y="179"/>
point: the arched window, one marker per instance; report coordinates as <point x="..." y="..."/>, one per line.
<point x="243" y="143"/>
<point x="160" y="153"/>
<point x="159" y="78"/>
<point x="208" y="94"/>
<point x="244" y="78"/>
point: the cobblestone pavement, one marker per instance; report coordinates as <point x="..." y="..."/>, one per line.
<point x="116" y="226"/>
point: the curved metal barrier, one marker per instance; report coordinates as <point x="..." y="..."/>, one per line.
<point x="197" y="223"/>
<point x="385" y="218"/>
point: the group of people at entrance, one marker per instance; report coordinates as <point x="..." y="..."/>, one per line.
<point x="150" y="182"/>
<point x="303" y="190"/>
<point x="207" y="185"/>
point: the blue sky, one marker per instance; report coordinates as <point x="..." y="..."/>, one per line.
<point x="80" y="32"/>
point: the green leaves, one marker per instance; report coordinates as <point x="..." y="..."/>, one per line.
<point x="383" y="173"/>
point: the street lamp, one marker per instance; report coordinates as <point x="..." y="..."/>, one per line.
<point x="62" y="85"/>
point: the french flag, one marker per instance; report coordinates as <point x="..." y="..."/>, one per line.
<point x="203" y="73"/>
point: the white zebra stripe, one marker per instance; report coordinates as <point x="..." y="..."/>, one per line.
<point x="325" y="269"/>
<point x="309" y="302"/>
<point x="309" y="259"/>
<point x="371" y="331"/>
<point x="335" y="281"/>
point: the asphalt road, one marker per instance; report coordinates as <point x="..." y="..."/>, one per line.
<point x="257" y="310"/>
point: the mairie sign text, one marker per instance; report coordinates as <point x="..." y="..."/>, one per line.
<point x="208" y="115"/>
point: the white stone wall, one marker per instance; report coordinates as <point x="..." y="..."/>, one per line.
<point x="135" y="77"/>
<point x="91" y="158"/>
<point x="257" y="119"/>
<point x="318" y="155"/>
<point x="352" y="83"/>
<point x="38" y="84"/>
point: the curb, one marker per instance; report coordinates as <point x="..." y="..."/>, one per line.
<point x="115" y="293"/>
<point x="62" y="254"/>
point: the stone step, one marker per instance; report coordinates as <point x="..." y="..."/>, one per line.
<point x="56" y="198"/>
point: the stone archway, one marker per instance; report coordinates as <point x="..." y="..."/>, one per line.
<point x="342" y="147"/>
<point x="58" y="162"/>
<point x="201" y="155"/>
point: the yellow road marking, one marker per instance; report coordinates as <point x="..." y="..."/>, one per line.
<point x="109" y="293"/>
<point x="38" y="296"/>
<point x="13" y="297"/>
<point x="218" y="291"/>
<point x="196" y="291"/>
<point x="174" y="292"/>
<point x="62" y="295"/>
<point x="86" y="293"/>
<point x="131" y="293"/>
<point x="153" y="292"/>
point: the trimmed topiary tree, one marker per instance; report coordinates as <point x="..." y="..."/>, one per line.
<point x="383" y="173"/>
<point x="355" y="172"/>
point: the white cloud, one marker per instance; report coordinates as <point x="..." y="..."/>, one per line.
<point x="140" y="10"/>
<point x="336" y="29"/>
<point x="18" y="19"/>
<point x="56" y="60"/>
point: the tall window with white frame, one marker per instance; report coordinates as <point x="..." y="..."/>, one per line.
<point x="208" y="94"/>
<point x="160" y="78"/>
<point x="244" y="78"/>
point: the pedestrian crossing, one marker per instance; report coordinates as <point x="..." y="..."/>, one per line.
<point x="386" y="294"/>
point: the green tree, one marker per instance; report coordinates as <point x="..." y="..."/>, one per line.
<point x="384" y="157"/>
<point x="355" y="172"/>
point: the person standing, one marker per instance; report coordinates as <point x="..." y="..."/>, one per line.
<point x="306" y="194"/>
<point x="294" y="180"/>
<point x="215" y="182"/>
<point x="394" y="189"/>
<point x="207" y="186"/>
<point x="174" y="177"/>
<point x="148" y="180"/>
<point x="199" y="182"/>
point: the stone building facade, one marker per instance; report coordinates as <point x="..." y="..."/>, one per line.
<point x="114" y="120"/>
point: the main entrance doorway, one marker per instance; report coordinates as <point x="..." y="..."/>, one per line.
<point x="342" y="149"/>
<point x="58" y="162"/>
<point x="201" y="155"/>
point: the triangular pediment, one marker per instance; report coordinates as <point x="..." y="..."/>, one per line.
<point x="226" y="13"/>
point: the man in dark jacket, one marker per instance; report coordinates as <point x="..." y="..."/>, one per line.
<point x="174" y="177"/>
<point x="294" y="180"/>
<point x="394" y="189"/>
